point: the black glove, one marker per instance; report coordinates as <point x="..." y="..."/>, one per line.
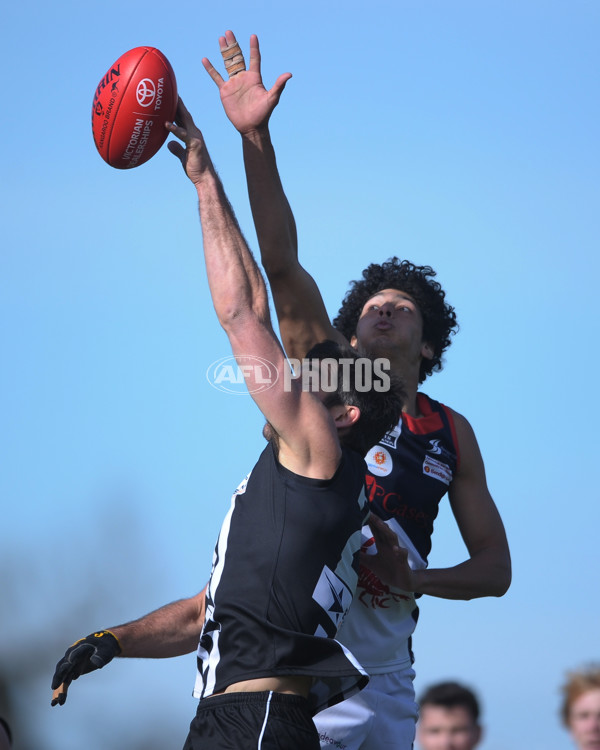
<point x="85" y="655"/>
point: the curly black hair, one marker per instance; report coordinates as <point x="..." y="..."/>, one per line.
<point x="439" y="318"/>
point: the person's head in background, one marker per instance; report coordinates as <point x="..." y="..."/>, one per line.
<point x="5" y="735"/>
<point x="580" y="709"/>
<point x="448" y="718"/>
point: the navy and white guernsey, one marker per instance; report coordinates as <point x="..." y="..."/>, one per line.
<point x="408" y="473"/>
<point x="285" y="569"/>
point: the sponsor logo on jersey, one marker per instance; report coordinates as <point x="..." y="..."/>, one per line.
<point x="394" y="504"/>
<point x="379" y="461"/>
<point x="391" y="438"/>
<point x="438" y="449"/>
<point x="241" y="488"/>
<point x="437" y="470"/>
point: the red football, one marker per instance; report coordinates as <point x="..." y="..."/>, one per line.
<point x="132" y="102"/>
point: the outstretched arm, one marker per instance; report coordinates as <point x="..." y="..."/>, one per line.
<point x="170" y="631"/>
<point x="303" y="319"/>
<point x="308" y="443"/>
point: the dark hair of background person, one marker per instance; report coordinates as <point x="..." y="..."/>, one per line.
<point x="451" y="695"/>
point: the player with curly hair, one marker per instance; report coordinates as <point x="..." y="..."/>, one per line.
<point x="439" y="318"/>
<point x="397" y="312"/>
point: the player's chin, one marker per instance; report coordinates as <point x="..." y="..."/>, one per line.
<point x="268" y="432"/>
<point x="378" y="346"/>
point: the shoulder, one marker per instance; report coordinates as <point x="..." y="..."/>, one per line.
<point x="436" y="413"/>
<point x="463" y="434"/>
<point x="471" y="461"/>
<point x="464" y="430"/>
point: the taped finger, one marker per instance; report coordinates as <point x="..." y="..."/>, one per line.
<point x="233" y="59"/>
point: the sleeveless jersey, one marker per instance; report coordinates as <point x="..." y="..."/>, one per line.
<point x="408" y="473"/>
<point x="284" y="573"/>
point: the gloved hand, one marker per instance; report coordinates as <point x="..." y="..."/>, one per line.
<point x="85" y="655"/>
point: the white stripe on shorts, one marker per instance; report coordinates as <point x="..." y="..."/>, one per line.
<point x="264" y="726"/>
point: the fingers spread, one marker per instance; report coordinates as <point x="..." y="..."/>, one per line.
<point x="212" y="72"/>
<point x="279" y="85"/>
<point x="232" y="54"/>
<point x="254" y="54"/>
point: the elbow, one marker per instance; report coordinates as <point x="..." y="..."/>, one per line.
<point x="228" y="319"/>
<point x="232" y="313"/>
<point x="279" y="267"/>
<point x="502" y="580"/>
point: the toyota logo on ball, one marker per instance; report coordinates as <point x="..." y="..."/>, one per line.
<point x="145" y="92"/>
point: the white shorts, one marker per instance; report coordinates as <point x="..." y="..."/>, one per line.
<point x="381" y="717"/>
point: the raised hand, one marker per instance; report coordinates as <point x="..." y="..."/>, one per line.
<point x="194" y="157"/>
<point x="246" y="101"/>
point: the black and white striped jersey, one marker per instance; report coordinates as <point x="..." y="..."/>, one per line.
<point x="285" y="569"/>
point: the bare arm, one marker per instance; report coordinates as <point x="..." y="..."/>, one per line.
<point x="308" y="442"/>
<point x="303" y="319"/>
<point x="301" y="313"/>
<point x="487" y="571"/>
<point x="170" y="631"/>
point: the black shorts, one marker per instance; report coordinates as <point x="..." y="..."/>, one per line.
<point x="253" y="721"/>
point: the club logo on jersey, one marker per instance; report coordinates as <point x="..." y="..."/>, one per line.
<point x="437" y="470"/>
<point x="241" y="488"/>
<point x="333" y="596"/>
<point x="374" y="594"/>
<point x="391" y="438"/>
<point x="379" y="461"/>
<point x="437" y="449"/>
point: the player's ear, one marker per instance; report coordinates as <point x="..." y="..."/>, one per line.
<point x="345" y="416"/>
<point x="427" y="350"/>
<point x="353" y="341"/>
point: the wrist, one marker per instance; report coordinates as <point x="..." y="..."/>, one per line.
<point x="258" y="134"/>
<point x="418" y="580"/>
<point x="205" y="180"/>
<point x="118" y="644"/>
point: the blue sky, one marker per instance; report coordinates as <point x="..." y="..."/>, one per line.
<point x="459" y="134"/>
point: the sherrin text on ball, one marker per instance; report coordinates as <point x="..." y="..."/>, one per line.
<point x="132" y="102"/>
